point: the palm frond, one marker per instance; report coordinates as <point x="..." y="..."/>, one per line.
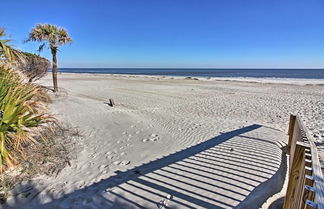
<point x="41" y="48"/>
<point x="54" y="35"/>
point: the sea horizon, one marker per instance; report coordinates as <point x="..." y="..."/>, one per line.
<point x="294" y="73"/>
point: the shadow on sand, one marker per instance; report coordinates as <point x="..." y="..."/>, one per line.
<point x="232" y="170"/>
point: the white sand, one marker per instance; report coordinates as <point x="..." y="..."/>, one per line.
<point x="172" y="143"/>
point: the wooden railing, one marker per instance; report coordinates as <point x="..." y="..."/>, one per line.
<point x="305" y="184"/>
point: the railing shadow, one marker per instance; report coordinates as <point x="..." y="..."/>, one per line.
<point x="206" y="175"/>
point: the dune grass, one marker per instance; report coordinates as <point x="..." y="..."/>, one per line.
<point x="21" y="116"/>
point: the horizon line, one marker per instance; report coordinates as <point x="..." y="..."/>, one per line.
<point x="218" y="68"/>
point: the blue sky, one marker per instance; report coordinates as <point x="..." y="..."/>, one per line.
<point x="176" y="33"/>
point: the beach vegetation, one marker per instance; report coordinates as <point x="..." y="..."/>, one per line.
<point x="22" y="115"/>
<point x="52" y="36"/>
<point x="7" y="52"/>
<point x="32" y="66"/>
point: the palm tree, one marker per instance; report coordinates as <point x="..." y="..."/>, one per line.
<point x="54" y="36"/>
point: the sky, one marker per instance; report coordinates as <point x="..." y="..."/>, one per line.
<point x="176" y="33"/>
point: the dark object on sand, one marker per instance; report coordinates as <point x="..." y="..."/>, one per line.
<point x="111" y="102"/>
<point x="231" y="149"/>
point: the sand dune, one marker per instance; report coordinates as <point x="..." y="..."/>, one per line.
<point x="172" y="143"/>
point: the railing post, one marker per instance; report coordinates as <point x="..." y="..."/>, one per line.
<point x="296" y="177"/>
<point x="292" y="121"/>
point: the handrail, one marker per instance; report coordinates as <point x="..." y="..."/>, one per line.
<point x="306" y="184"/>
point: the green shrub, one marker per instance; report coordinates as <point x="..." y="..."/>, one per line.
<point x="21" y="115"/>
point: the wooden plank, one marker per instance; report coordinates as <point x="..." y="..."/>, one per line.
<point x="308" y="194"/>
<point x="299" y="188"/>
<point x="311" y="192"/>
<point x="306" y="184"/>
<point x="111" y="102"/>
<point x="308" y="171"/>
<point x="308" y="162"/>
<point x="310" y="205"/>
<point x="318" y="177"/>
<point x="295" y="175"/>
<point x="309" y="180"/>
<point x="316" y="169"/>
<point x="297" y="136"/>
<point x="292" y="120"/>
<point x="308" y="156"/>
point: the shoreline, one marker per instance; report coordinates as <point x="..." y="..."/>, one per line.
<point x="264" y="80"/>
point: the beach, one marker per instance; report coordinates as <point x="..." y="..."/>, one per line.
<point x="173" y="142"/>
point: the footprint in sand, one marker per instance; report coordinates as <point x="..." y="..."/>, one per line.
<point x="122" y="163"/>
<point x="145" y="140"/>
<point x="125" y="162"/>
<point x="164" y="202"/>
<point x="100" y="167"/>
<point x="109" y="155"/>
<point x="116" y="162"/>
<point x="154" y="137"/>
<point x="105" y="171"/>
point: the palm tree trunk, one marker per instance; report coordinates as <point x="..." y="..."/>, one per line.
<point x="54" y="68"/>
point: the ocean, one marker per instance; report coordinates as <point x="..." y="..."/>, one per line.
<point x="196" y="72"/>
